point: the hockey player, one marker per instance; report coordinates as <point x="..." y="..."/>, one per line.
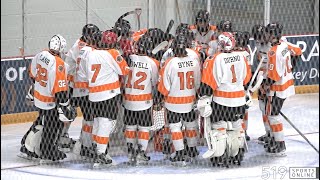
<point x="104" y="65"/>
<point x="123" y="30"/>
<point x="204" y="32"/>
<point x="242" y="41"/>
<point x="178" y="82"/>
<point x="79" y="89"/>
<point x="222" y="91"/>
<point x="138" y="101"/>
<point x="49" y="72"/>
<point x="278" y="86"/>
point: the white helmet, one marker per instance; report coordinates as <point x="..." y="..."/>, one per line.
<point x="58" y="43"/>
<point x="226" y="41"/>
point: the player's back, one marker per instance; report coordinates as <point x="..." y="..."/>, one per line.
<point x="103" y="70"/>
<point x="50" y="77"/>
<point x="139" y="83"/>
<point x="280" y="70"/>
<point x="231" y="72"/>
<point x="180" y="80"/>
<point x="80" y="78"/>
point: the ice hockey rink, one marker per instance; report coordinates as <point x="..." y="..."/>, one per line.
<point x="302" y="110"/>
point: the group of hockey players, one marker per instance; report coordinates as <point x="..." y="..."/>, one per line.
<point x="202" y="70"/>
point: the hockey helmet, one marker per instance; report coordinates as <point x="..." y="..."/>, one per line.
<point x="226" y="41"/>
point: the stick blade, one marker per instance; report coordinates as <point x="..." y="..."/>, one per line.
<point x="161" y="46"/>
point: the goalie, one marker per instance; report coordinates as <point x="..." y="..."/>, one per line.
<point x="222" y="91"/>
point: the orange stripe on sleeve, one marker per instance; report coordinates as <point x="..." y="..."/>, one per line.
<point x="156" y="62"/>
<point x="60" y="83"/>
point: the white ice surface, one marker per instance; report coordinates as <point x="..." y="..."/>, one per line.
<point x="302" y="110"/>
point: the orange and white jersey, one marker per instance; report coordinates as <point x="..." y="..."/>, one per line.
<point x="179" y="81"/>
<point x="295" y="50"/>
<point x="191" y="54"/>
<point x="140" y="82"/>
<point x="262" y="55"/>
<point x="50" y="74"/>
<point x="72" y="59"/>
<point x="279" y="70"/>
<point x="103" y="70"/>
<point x="203" y="39"/>
<point x="226" y="74"/>
<point x="80" y="78"/>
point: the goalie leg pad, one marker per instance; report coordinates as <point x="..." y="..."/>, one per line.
<point x="191" y="133"/>
<point x="32" y="142"/>
<point x="176" y="135"/>
<point x="217" y="139"/>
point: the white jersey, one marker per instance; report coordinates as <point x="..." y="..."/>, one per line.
<point x="103" y="70"/>
<point x="226" y="74"/>
<point x="80" y="78"/>
<point x="140" y="82"/>
<point x="262" y="54"/>
<point x="245" y="54"/>
<point x="72" y="59"/>
<point x="168" y="54"/>
<point x="50" y="74"/>
<point x="179" y="81"/>
<point x="279" y="70"/>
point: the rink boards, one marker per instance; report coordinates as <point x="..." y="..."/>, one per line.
<point x="15" y="80"/>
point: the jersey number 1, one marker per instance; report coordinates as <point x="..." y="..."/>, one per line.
<point x="234" y="78"/>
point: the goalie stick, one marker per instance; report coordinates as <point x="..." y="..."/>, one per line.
<point x="303" y="136"/>
<point x="169" y="27"/>
<point x="138" y="13"/>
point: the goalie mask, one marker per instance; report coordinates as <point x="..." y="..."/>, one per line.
<point x="57" y="44"/>
<point x="226" y="42"/>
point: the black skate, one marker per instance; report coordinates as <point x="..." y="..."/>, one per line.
<point x="191" y="153"/>
<point x="26" y="154"/>
<point x="239" y="157"/>
<point x="166" y="148"/>
<point x="52" y="155"/>
<point x="131" y="153"/>
<point x="277" y="149"/>
<point x="88" y="152"/>
<point x="246" y="136"/>
<point x="178" y="159"/>
<point x="101" y="160"/>
<point x="66" y="143"/>
<point x="142" y="158"/>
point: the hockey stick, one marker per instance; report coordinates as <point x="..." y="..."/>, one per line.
<point x="169" y="27"/>
<point x="252" y="53"/>
<point x="294" y="127"/>
<point x="254" y="75"/>
<point x="138" y="13"/>
<point x="160" y="46"/>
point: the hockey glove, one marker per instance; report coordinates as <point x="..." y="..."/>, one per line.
<point x="66" y="112"/>
<point x="29" y="95"/>
<point x="204" y="106"/>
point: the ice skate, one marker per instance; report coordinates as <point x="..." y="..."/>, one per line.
<point x="26" y="154"/>
<point x="178" y="159"/>
<point x="101" y="160"/>
<point x="66" y="143"/>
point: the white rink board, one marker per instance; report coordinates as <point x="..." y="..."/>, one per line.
<point x="302" y="110"/>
